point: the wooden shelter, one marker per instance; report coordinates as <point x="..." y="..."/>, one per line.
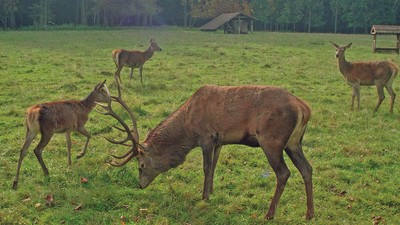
<point x="235" y="23"/>
<point x="386" y="30"/>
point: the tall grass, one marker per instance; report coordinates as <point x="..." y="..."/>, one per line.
<point x="354" y="153"/>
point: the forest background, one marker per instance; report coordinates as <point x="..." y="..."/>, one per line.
<point x="333" y="16"/>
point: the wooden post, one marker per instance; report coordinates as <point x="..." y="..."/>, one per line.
<point x="374" y="44"/>
<point x="398" y="43"/>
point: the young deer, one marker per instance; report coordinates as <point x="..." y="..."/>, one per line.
<point x="381" y="74"/>
<point x="214" y="116"/>
<point x="59" y="117"/>
<point x="133" y="59"/>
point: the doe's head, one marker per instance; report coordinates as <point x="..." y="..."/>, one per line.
<point x="340" y="50"/>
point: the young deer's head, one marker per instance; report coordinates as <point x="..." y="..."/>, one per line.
<point x="153" y="45"/>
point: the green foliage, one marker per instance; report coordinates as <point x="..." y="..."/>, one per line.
<point x="354" y="154"/>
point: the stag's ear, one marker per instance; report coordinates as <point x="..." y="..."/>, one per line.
<point x="152" y="41"/>
<point x="348" y="46"/>
<point x="335" y="45"/>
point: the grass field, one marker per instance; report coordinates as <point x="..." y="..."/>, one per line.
<point x="354" y="154"/>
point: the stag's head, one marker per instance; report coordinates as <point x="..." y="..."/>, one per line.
<point x="150" y="166"/>
<point x="154" y="46"/>
<point x="340" y="50"/>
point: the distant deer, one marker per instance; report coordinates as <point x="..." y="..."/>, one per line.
<point x="59" y="117"/>
<point x="133" y="59"/>
<point x="381" y="74"/>
<point x="257" y="116"/>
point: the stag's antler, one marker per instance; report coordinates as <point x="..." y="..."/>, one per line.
<point x="132" y="134"/>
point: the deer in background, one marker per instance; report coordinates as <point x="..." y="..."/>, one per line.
<point x="257" y="116"/>
<point x="59" y="117"/>
<point x="133" y="59"/>
<point x="380" y="73"/>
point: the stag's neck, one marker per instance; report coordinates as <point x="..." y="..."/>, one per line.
<point x="88" y="103"/>
<point x="344" y="66"/>
<point x="171" y="140"/>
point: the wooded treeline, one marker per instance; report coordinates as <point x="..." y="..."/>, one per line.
<point x="344" y="16"/>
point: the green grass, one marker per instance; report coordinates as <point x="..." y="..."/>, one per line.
<point x="354" y="154"/>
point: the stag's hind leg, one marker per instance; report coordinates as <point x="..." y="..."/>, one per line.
<point x="30" y="136"/>
<point x="274" y="151"/>
<point x="381" y="96"/>
<point x="296" y="154"/>
<point x="389" y="89"/>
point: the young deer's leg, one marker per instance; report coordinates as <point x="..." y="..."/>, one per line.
<point x="381" y="96"/>
<point x="131" y="74"/>
<point x="84" y="132"/>
<point x="353" y="95"/>
<point x="274" y="152"/>
<point x="140" y="70"/>
<point x="299" y="160"/>
<point x="46" y="136"/>
<point x="29" y="137"/>
<point x="389" y="88"/>
<point x="207" y="169"/>
<point x="356" y="93"/>
<point x="68" y="138"/>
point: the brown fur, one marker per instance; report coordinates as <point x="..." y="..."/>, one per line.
<point x="133" y="59"/>
<point x="58" y="117"/>
<point x="264" y="116"/>
<point x="381" y="74"/>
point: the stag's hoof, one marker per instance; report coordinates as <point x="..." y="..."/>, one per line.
<point x="15" y="185"/>
<point x="309" y="215"/>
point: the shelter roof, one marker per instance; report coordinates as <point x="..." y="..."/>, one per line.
<point x="385" y="29"/>
<point x="224" y="18"/>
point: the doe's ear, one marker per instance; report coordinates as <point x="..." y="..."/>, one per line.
<point x="349" y="45"/>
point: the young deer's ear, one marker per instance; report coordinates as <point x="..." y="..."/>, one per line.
<point x="334" y="45"/>
<point x="152" y="41"/>
<point x="348" y="46"/>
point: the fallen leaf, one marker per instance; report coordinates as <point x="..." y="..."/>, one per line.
<point x="342" y="193"/>
<point x="254" y="216"/>
<point x="79" y="207"/>
<point x="84" y="180"/>
<point x="37" y="205"/>
<point x="123" y="220"/>
<point x="26" y="200"/>
<point x="378" y="220"/>
<point x="349" y="206"/>
<point x="49" y="199"/>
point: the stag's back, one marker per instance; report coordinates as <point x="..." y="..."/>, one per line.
<point x="239" y="114"/>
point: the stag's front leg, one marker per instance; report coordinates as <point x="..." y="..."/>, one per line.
<point x="207" y="168"/>
<point x="131" y="74"/>
<point x="216" y="152"/>
<point x="140" y="72"/>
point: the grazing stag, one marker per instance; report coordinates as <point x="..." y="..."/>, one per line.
<point x="133" y="59"/>
<point x="257" y="116"/>
<point x="381" y="74"/>
<point x="59" y="117"/>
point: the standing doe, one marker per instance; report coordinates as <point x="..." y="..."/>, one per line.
<point x="133" y="59"/>
<point x="59" y="117"/>
<point x="381" y="74"/>
<point x="257" y="116"/>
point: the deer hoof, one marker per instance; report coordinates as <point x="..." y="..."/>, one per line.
<point x="80" y="155"/>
